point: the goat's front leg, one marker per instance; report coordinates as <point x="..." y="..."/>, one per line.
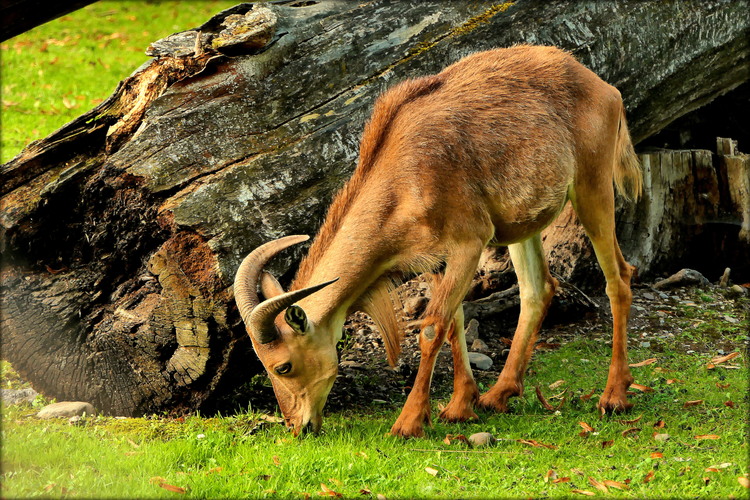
<point x="446" y="299"/>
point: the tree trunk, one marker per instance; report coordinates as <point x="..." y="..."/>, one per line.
<point x="121" y="231"/>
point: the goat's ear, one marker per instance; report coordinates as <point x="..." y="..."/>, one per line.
<point x="269" y="286"/>
<point x="296" y="318"/>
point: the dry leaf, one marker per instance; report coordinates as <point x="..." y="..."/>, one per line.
<point x="431" y="471"/>
<point x="711" y="469"/>
<point x="546" y="346"/>
<point x="68" y="104"/>
<point x="657" y="454"/>
<point x="671" y="381"/>
<point x="173" y="488"/>
<point x="328" y="492"/>
<point x="506" y="341"/>
<point x="276" y="460"/>
<point x="607" y="444"/>
<point x="537" y="444"/>
<point x="722" y="386"/>
<point x="723" y="359"/>
<point x="264" y="477"/>
<point x="561" y="480"/>
<point x="586" y="427"/>
<point x="648" y="477"/>
<point x="555" y="385"/>
<point x="551" y="474"/>
<point x="707" y="436"/>
<point x="599" y="486"/>
<point x="643" y="363"/>
<point x="584" y="492"/>
<point x="575" y="470"/>
<point x="710" y="366"/>
<point x="615" y="484"/>
<point x="630" y="431"/>
<point x="729" y="404"/>
<point x="449" y="438"/>
<point x="629" y="422"/>
<point x="586" y="397"/>
<point x="744" y="481"/>
<point x="544" y="402"/>
<point x="641" y="388"/>
<point x="365" y="491"/>
<point x="688" y="404"/>
<point x="659" y="424"/>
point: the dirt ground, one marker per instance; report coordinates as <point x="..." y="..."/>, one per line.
<point x="365" y="376"/>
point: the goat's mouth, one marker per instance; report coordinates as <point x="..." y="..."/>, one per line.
<point x="312" y="426"/>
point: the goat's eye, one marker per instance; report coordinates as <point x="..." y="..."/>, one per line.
<point x="284" y="369"/>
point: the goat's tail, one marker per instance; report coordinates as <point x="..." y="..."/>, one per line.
<point x="628" y="176"/>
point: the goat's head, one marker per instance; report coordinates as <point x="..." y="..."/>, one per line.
<point x="301" y="362"/>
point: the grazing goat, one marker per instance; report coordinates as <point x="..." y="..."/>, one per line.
<point x="487" y="152"/>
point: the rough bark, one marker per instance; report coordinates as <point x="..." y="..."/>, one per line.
<point x="121" y="232"/>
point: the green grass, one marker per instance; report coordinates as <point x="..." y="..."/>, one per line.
<point x="57" y="71"/>
<point x="243" y="456"/>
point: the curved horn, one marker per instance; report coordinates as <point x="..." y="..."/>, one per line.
<point x="246" y="280"/>
<point x="263" y="316"/>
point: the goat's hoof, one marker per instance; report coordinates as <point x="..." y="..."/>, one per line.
<point x="454" y="415"/>
<point x="611" y="403"/>
<point x="413" y="429"/>
<point x="492" y="403"/>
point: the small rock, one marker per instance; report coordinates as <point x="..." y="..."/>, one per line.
<point x="738" y="290"/>
<point x="645" y="344"/>
<point x="649" y="296"/>
<point x="663" y="296"/>
<point x="480" y="361"/>
<point x="15" y="396"/>
<point x="472" y="331"/>
<point x="661" y="437"/>
<point x="479" y="346"/>
<point x="481" y="439"/>
<point x="415" y="305"/>
<point x="682" y="278"/>
<point x="730" y="319"/>
<point x="724" y="280"/>
<point x="66" y="409"/>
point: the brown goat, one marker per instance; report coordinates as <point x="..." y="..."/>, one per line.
<point x="487" y="152"/>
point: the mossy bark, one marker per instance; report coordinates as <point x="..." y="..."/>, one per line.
<point x="121" y="232"/>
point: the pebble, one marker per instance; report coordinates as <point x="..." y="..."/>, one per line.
<point x="661" y="437"/>
<point x="66" y="409"/>
<point x="352" y="364"/>
<point x="479" y="346"/>
<point x="649" y="296"/>
<point x="15" y="396"/>
<point x="738" y="290"/>
<point x="645" y="344"/>
<point x="480" y="361"/>
<point x="481" y="439"/>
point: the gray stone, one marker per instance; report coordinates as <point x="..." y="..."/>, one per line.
<point x="352" y="364"/>
<point x="16" y="396"/>
<point x="66" y="409"/>
<point x="481" y="439"/>
<point x="738" y="290"/>
<point x="480" y="361"/>
<point x="479" y="346"/>
<point x="649" y="296"/>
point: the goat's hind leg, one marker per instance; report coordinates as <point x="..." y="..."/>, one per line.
<point x="465" y="391"/>
<point x="537" y="287"/>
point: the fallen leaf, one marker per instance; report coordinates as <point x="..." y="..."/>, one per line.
<point x="657" y="454"/>
<point x="607" y="444"/>
<point x="710" y="366"/>
<point x="599" y="486"/>
<point x="744" y="481"/>
<point x="729" y="404"/>
<point x="431" y="471"/>
<point x="575" y="470"/>
<point x="643" y="363"/>
<point x="630" y="431"/>
<point x="615" y="484"/>
<point x="711" y="469"/>
<point x="328" y="492"/>
<point x="584" y="492"/>
<point x="449" y="438"/>
<point x="688" y="404"/>
<point x="544" y="402"/>
<point x="586" y="427"/>
<point x="641" y="388"/>
<point x="506" y="341"/>
<point x="555" y="385"/>
<point x="707" y="436"/>
<point x="537" y="444"/>
<point x="170" y="487"/>
<point x="381" y="497"/>
<point x="68" y="104"/>
<point x="648" y="477"/>
<point x="561" y="480"/>
<point x="659" y="424"/>
<point x="722" y="386"/>
<point x="217" y="470"/>
<point x="361" y="454"/>
<point x="586" y="397"/>
<point x="671" y="381"/>
<point x="723" y="359"/>
<point x="551" y="474"/>
<point x="629" y="422"/>
<point x="365" y="491"/>
<point x="546" y="346"/>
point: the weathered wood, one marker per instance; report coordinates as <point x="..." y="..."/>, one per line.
<point x="121" y="231"/>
